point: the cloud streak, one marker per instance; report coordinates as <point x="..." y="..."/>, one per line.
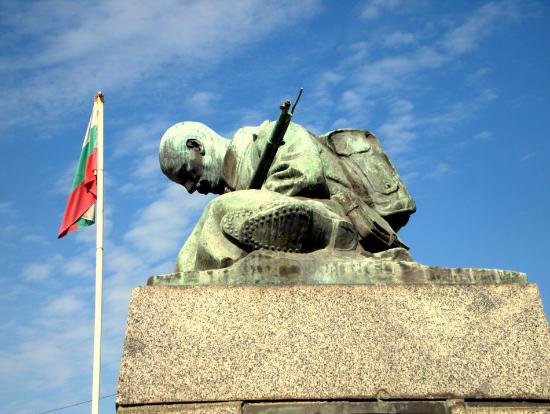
<point x="373" y="9"/>
<point x="384" y="81"/>
<point x="110" y="45"/>
<point x="479" y="25"/>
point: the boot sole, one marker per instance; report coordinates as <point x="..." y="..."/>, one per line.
<point x="288" y="229"/>
<point x="282" y="229"/>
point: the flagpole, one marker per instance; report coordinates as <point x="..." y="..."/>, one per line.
<point x="98" y="101"/>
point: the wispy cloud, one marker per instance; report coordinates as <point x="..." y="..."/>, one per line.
<point x="5" y="207"/>
<point x="479" y="25"/>
<point x="385" y="81"/>
<point x="398" y="133"/>
<point x="64" y="178"/>
<point x="82" y="266"/>
<point x="400" y="106"/>
<point x="7" y="235"/>
<point x="390" y="72"/>
<point x="160" y="225"/>
<point x="482" y="136"/>
<point x="66" y="304"/>
<point x="372" y="9"/>
<point x="527" y="157"/>
<point x="441" y="169"/>
<point x="53" y="348"/>
<point x="37" y="271"/>
<point x="398" y="38"/>
<point x="34" y="238"/>
<point x="139" y="138"/>
<point x="201" y="102"/>
<point x="112" y="46"/>
<point x="459" y="111"/>
<point x="138" y="145"/>
<point x="147" y="167"/>
<point x="479" y="76"/>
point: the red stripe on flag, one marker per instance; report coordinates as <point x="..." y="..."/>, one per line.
<point x="71" y="228"/>
<point x="90" y="180"/>
<point x="81" y="198"/>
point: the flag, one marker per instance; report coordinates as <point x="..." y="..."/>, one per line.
<point x="80" y="209"/>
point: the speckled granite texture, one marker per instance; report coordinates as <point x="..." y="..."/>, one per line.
<point x="207" y="408"/>
<point x="327" y="342"/>
<point x="344" y="407"/>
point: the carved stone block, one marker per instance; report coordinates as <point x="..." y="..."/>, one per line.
<point x="271" y="343"/>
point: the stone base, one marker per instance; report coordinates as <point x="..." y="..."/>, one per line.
<point x="391" y="267"/>
<point x="344" y="407"/>
<point x="479" y="343"/>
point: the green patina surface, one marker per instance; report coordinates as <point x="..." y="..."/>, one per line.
<point x="337" y="191"/>
<point x="391" y="267"/>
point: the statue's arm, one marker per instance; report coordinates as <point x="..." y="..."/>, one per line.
<point x="297" y="169"/>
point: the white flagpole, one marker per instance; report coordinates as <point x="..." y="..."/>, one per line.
<point x="98" y="106"/>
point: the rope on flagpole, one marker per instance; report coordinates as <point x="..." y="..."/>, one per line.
<point x="53" y="410"/>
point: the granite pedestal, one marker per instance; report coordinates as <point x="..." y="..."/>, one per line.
<point x="336" y="348"/>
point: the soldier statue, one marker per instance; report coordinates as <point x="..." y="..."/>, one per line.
<point x="337" y="191"/>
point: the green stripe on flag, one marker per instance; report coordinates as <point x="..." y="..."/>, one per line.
<point x="86" y="152"/>
<point x="82" y="222"/>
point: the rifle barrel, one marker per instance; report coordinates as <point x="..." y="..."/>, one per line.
<point x="273" y="143"/>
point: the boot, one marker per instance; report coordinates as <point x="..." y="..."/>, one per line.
<point x="289" y="227"/>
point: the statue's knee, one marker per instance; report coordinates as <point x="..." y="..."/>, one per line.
<point x="231" y="201"/>
<point x="216" y="206"/>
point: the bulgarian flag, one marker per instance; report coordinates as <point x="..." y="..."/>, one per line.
<point x="85" y="201"/>
<point x="80" y="210"/>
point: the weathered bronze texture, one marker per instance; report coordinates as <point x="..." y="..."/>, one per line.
<point x="390" y="267"/>
<point x="337" y="191"/>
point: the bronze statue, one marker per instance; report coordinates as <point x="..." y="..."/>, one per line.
<point x="334" y="191"/>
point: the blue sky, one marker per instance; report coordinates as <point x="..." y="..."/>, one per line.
<point x="457" y="91"/>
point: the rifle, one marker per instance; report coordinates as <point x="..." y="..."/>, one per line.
<point x="273" y="143"/>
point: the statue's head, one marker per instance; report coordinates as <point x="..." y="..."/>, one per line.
<point x="191" y="154"/>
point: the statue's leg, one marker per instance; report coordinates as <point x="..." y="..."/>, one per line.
<point x="291" y="224"/>
<point x="220" y="237"/>
<point x="208" y="247"/>
<point x="187" y="256"/>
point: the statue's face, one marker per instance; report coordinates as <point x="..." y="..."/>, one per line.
<point x="191" y="174"/>
<point x="191" y="154"/>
